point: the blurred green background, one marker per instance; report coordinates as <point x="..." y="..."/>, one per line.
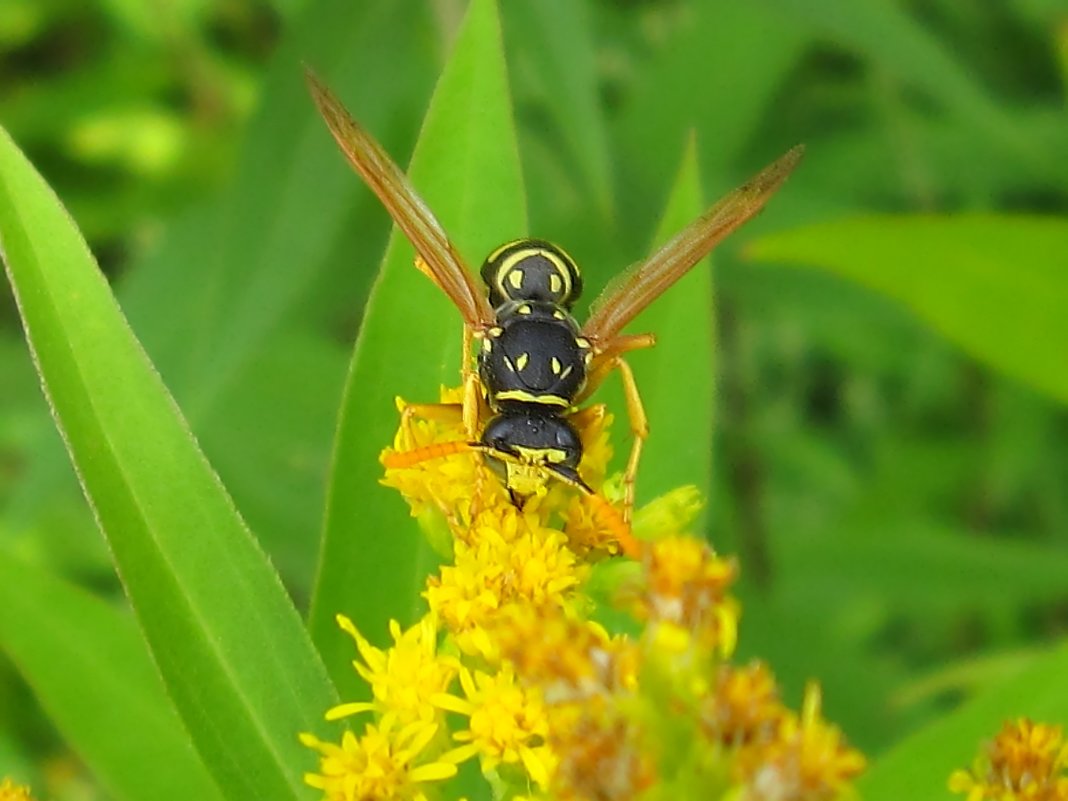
<point x="899" y="505"/>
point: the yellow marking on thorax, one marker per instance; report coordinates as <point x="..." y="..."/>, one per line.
<point x="527" y="397"/>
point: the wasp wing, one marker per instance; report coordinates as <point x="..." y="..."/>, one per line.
<point x="644" y="282"/>
<point x="446" y="267"/>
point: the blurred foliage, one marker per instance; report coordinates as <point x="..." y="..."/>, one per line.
<point x="896" y="485"/>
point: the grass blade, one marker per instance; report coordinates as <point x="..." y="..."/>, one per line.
<point x="994" y="284"/>
<point x="466" y="167"/>
<point x="229" y="643"/>
<point x="111" y="708"/>
<point x="676" y="379"/>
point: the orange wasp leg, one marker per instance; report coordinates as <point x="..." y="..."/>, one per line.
<point x="469" y="376"/>
<point x="401" y="460"/>
<point x="605" y="360"/>
<point x="472" y="388"/>
<point x="639" y="427"/>
<point x="448" y="413"/>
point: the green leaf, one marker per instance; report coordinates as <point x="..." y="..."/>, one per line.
<point x="996" y="285"/>
<point x="373" y="561"/>
<point x="919" y="767"/>
<point x="230" y="646"/>
<point x="707" y="79"/>
<point x="551" y="45"/>
<point x="893" y="40"/>
<point x="207" y="299"/>
<point x="88" y="665"/>
<point x="676" y="378"/>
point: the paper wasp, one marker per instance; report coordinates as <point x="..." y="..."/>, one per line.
<point x="536" y="365"/>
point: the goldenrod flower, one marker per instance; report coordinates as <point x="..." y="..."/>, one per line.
<point x="742" y="707"/>
<point x="551" y="704"/>
<point x="806" y="759"/>
<point x="1026" y="762"/>
<point x="9" y="791"/>
<point x="443" y="484"/>
<point x="685" y="586"/>
<point x="459" y="486"/>
<point x="507" y="723"/>
<point x="600" y="756"/>
<point x="502" y="565"/>
<point x="380" y="765"/>
<point x="568" y="657"/>
<point x="402" y="678"/>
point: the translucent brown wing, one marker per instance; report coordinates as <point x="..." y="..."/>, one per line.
<point x="407" y="209"/>
<point x="643" y="283"/>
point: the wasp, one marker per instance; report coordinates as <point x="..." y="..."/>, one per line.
<point x="536" y="365"/>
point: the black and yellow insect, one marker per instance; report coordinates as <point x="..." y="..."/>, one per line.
<point x="536" y="365"/>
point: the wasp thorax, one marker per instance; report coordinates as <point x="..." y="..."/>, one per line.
<point x="534" y="356"/>
<point x="532" y="270"/>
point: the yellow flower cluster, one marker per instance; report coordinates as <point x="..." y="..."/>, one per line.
<point x="1026" y="761"/>
<point x="9" y="791"/>
<point x="510" y="667"/>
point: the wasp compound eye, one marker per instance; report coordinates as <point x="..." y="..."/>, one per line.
<point x="532" y="270"/>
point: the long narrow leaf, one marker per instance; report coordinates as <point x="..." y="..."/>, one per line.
<point x="919" y="767"/>
<point x="207" y="300"/>
<point x="89" y="667"/>
<point x="372" y="564"/>
<point x="995" y="285"/>
<point x="676" y="380"/>
<point x="229" y="643"/>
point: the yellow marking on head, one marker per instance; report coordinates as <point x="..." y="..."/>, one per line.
<point x="554" y="365"/>
<point x="496" y="331"/>
<point x="560" y="283"/>
<point x="560" y="266"/>
<point x="521" y="362"/>
<point x="540" y="455"/>
<point x="528" y="397"/>
<point x="561" y="276"/>
<point x="524" y="309"/>
<point x="508" y="266"/>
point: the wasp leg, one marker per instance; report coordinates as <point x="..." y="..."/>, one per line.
<point x="605" y="360"/>
<point x="639" y="427"/>
<point x="589" y="416"/>
<point x="448" y="413"/>
<point x="604" y="513"/>
<point x="439" y="450"/>
<point x="472" y="388"/>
